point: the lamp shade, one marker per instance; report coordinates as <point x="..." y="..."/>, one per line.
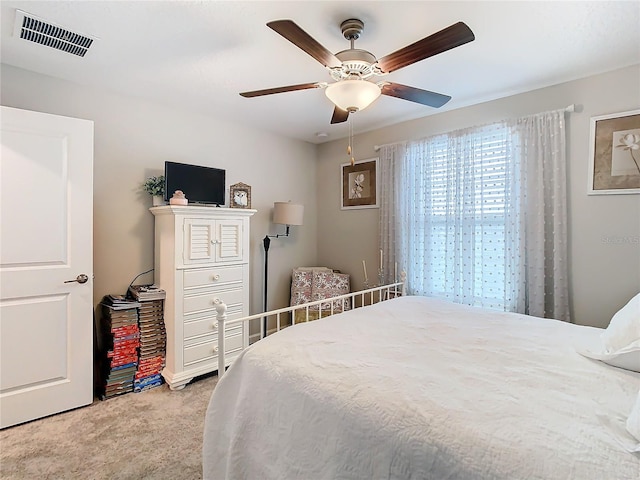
<point x="352" y="95"/>
<point x="287" y="213"/>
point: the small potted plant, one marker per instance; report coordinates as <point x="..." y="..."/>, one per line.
<point x="154" y="186"/>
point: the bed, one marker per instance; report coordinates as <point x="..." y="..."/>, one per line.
<point x="420" y="388"/>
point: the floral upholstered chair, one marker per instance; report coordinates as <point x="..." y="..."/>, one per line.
<point x="316" y="283"/>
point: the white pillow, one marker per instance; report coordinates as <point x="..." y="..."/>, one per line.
<point x="624" y="328"/>
<point x="627" y="358"/>
<point x="633" y="422"/>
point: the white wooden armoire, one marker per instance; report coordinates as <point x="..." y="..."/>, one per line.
<point x="201" y="258"/>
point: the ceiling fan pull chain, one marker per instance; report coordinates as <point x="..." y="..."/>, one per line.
<point x="349" y="145"/>
<point x="350" y="148"/>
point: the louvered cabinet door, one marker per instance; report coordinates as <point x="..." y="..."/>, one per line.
<point x="228" y="242"/>
<point x="200" y="244"/>
<point x="212" y="241"/>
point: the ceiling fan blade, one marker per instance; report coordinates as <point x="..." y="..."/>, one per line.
<point x="271" y="91"/>
<point x="292" y="32"/>
<point x="446" y="39"/>
<point x="425" y="97"/>
<point x="339" y="115"/>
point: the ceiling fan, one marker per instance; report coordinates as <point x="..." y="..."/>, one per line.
<point x="351" y="69"/>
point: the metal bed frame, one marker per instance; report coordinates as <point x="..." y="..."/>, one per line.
<point x="353" y="300"/>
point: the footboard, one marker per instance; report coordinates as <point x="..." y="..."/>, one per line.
<point x="323" y="308"/>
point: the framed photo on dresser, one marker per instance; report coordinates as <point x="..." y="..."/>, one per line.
<point x="240" y="195"/>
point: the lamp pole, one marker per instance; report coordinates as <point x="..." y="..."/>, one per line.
<point x="266" y="242"/>
<point x="284" y="213"/>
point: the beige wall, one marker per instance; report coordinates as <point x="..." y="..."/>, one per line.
<point x="133" y="138"/>
<point x="604" y="231"/>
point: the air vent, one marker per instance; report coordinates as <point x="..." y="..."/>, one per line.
<point x="34" y="29"/>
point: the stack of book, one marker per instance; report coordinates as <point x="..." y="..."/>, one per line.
<point x="153" y="337"/>
<point x="119" y="341"/>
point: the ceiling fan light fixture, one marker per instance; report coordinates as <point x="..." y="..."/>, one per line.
<point x="352" y="95"/>
<point x="352" y="68"/>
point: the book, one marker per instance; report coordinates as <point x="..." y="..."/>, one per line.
<point x="119" y="302"/>
<point x="147" y="292"/>
<point x="148" y="386"/>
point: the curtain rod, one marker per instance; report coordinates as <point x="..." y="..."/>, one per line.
<point x="569" y="108"/>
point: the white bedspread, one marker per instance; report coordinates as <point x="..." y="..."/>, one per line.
<point x="423" y="389"/>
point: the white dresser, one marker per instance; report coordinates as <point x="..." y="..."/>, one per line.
<point x="201" y="257"/>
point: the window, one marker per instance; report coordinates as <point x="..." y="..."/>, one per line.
<point x="478" y="216"/>
<point x="457" y="197"/>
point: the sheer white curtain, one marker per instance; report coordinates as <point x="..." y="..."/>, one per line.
<point x="478" y="215"/>
<point x="390" y="166"/>
<point x="544" y="273"/>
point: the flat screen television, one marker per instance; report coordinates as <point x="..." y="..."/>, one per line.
<point x="199" y="184"/>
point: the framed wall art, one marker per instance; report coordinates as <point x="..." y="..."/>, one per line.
<point x="360" y="184"/>
<point x="614" y="153"/>
<point x="240" y="195"/>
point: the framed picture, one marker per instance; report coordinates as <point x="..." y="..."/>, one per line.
<point x="360" y="184"/>
<point x="240" y="195"/>
<point x="614" y="156"/>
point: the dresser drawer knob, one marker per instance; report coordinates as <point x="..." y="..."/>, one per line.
<point x="216" y="277"/>
<point x="214" y="325"/>
<point x="216" y="301"/>
<point x="215" y="349"/>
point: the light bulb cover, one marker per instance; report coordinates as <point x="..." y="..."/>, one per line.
<point x="287" y="213"/>
<point x="352" y="95"/>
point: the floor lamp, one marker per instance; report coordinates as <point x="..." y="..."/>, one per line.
<point x="284" y="213"/>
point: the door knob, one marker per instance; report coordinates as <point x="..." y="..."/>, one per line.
<point x="82" y="278"/>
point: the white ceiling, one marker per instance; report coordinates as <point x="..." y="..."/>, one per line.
<point x="200" y="54"/>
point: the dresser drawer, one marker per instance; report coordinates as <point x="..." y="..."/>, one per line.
<point x="209" y="350"/>
<point x="206" y="301"/>
<point x="211" y="336"/>
<point x="199" y="325"/>
<point x="210" y="277"/>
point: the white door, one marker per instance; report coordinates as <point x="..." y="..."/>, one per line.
<point x="46" y="250"/>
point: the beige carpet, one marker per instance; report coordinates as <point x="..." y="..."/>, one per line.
<point x="156" y="434"/>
